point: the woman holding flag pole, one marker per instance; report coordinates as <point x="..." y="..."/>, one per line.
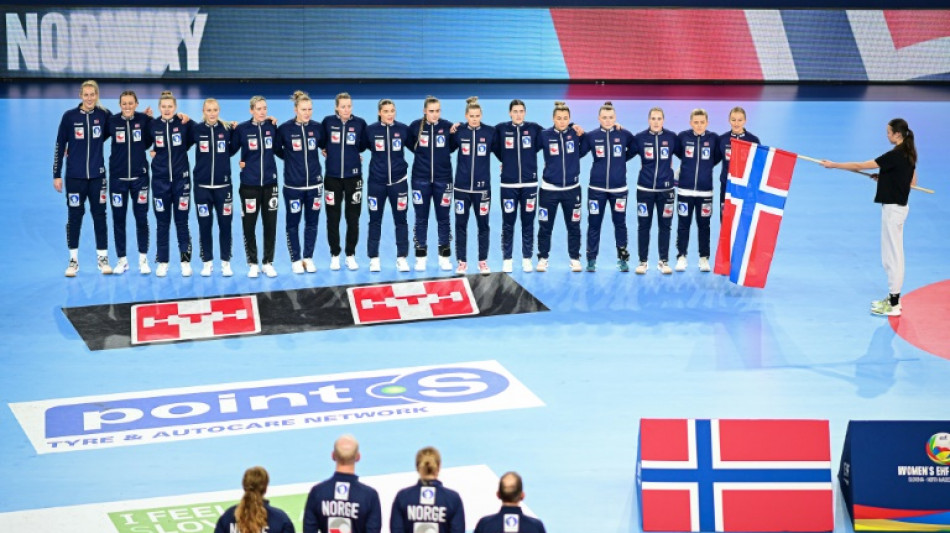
<point x="895" y="178"/>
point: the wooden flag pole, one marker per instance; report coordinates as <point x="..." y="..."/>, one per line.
<point x="813" y="160"/>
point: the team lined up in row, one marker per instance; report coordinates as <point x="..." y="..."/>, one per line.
<point x="342" y="503"/>
<point x="341" y="138"/>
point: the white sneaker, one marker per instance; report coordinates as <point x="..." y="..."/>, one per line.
<point x="121" y="266"/>
<point x="576" y="265"/>
<point x="335" y="262"/>
<point x="268" y="270"/>
<point x="253" y="271"/>
<point x="681" y="263"/>
<point x="704" y="264"/>
<point x="144" y="269"/>
<point x="373" y="264"/>
<point x="103" y="264"/>
<point x="351" y="262"/>
<point x="226" y="269"/>
<point x="483" y="268"/>
<point x="420" y="263"/>
<point x="297" y="267"/>
<point x="641" y="268"/>
<point x="445" y="263"/>
<point x="162" y="270"/>
<point x="664" y="268"/>
<point x="462" y="268"/>
<point x="206" y="268"/>
<point x="526" y="265"/>
<point x="402" y="264"/>
<point x="542" y="265"/>
<point x="507" y="266"/>
<point x="72" y="269"/>
<point x="186" y="269"/>
<point x="309" y="265"/>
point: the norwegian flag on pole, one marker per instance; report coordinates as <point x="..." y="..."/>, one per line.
<point x="759" y="178"/>
<point x="735" y="475"/>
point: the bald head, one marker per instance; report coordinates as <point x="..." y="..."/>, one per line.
<point x="346" y="450"/>
<point x="510" y="489"/>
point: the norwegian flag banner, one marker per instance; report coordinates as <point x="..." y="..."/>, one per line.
<point x="735" y="475"/>
<point x="759" y="179"/>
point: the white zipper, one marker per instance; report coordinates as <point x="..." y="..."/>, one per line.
<point x="472" y="149"/>
<point x="342" y="145"/>
<point x="432" y="153"/>
<point x="389" y="158"/>
<point x="260" y="136"/>
<point x="128" y="143"/>
<point x="656" y="159"/>
<point x="518" y="147"/>
<point x="214" y="152"/>
<point x="609" y="155"/>
<point x="696" y="174"/>
<point x="563" y="161"/>
<point x="88" y="143"/>
<point x="306" y="155"/>
<point x="168" y="148"/>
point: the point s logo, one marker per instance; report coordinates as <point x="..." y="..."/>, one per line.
<point x="83" y="41"/>
<point x="274" y="405"/>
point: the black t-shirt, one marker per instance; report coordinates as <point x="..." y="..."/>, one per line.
<point x="893" y="182"/>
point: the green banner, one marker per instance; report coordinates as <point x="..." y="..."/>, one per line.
<point x="195" y="518"/>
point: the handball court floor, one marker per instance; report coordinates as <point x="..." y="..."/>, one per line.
<point x="612" y="349"/>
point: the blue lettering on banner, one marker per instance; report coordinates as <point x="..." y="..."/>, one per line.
<point x="152" y="416"/>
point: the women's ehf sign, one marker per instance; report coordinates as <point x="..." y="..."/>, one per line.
<point x="895" y="476"/>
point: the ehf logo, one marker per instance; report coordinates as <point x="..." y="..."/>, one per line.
<point x="938" y="448"/>
<point x="569" y="146"/>
<point x="371" y="202"/>
<point x="74" y="200"/>
<point x="397" y="144"/>
<point x="116" y="200"/>
<point x="509" y="206"/>
<point x="159" y="205"/>
<point x="482" y="149"/>
<point x="342" y="491"/>
<point x="203" y="210"/>
<point x="96" y="132"/>
<point x="664" y="152"/>
<point x="459" y="207"/>
<point x="350" y="138"/>
<point x="594" y="207"/>
<point x="440" y="141"/>
<point x="526" y="142"/>
<point x="542" y="214"/>
<point x="683" y="209"/>
<point x="618" y="150"/>
<point x="511" y="522"/>
<point x="416" y="197"/>
<point x="706" y="153"/>
<point x="427" y="496"/>
<point x="295" y="206"/>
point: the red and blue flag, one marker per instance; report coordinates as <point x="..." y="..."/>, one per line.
<point x="759" y="179"/>
<point x="735" y="475"/>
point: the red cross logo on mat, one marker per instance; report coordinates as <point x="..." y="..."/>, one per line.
<point x="414" y="300"/>
<point x="195" y="319"/>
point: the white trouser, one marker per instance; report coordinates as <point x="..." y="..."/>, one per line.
<point x="892" y="244"/>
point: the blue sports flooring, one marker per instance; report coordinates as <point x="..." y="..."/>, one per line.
<point x="614" y="347"/>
